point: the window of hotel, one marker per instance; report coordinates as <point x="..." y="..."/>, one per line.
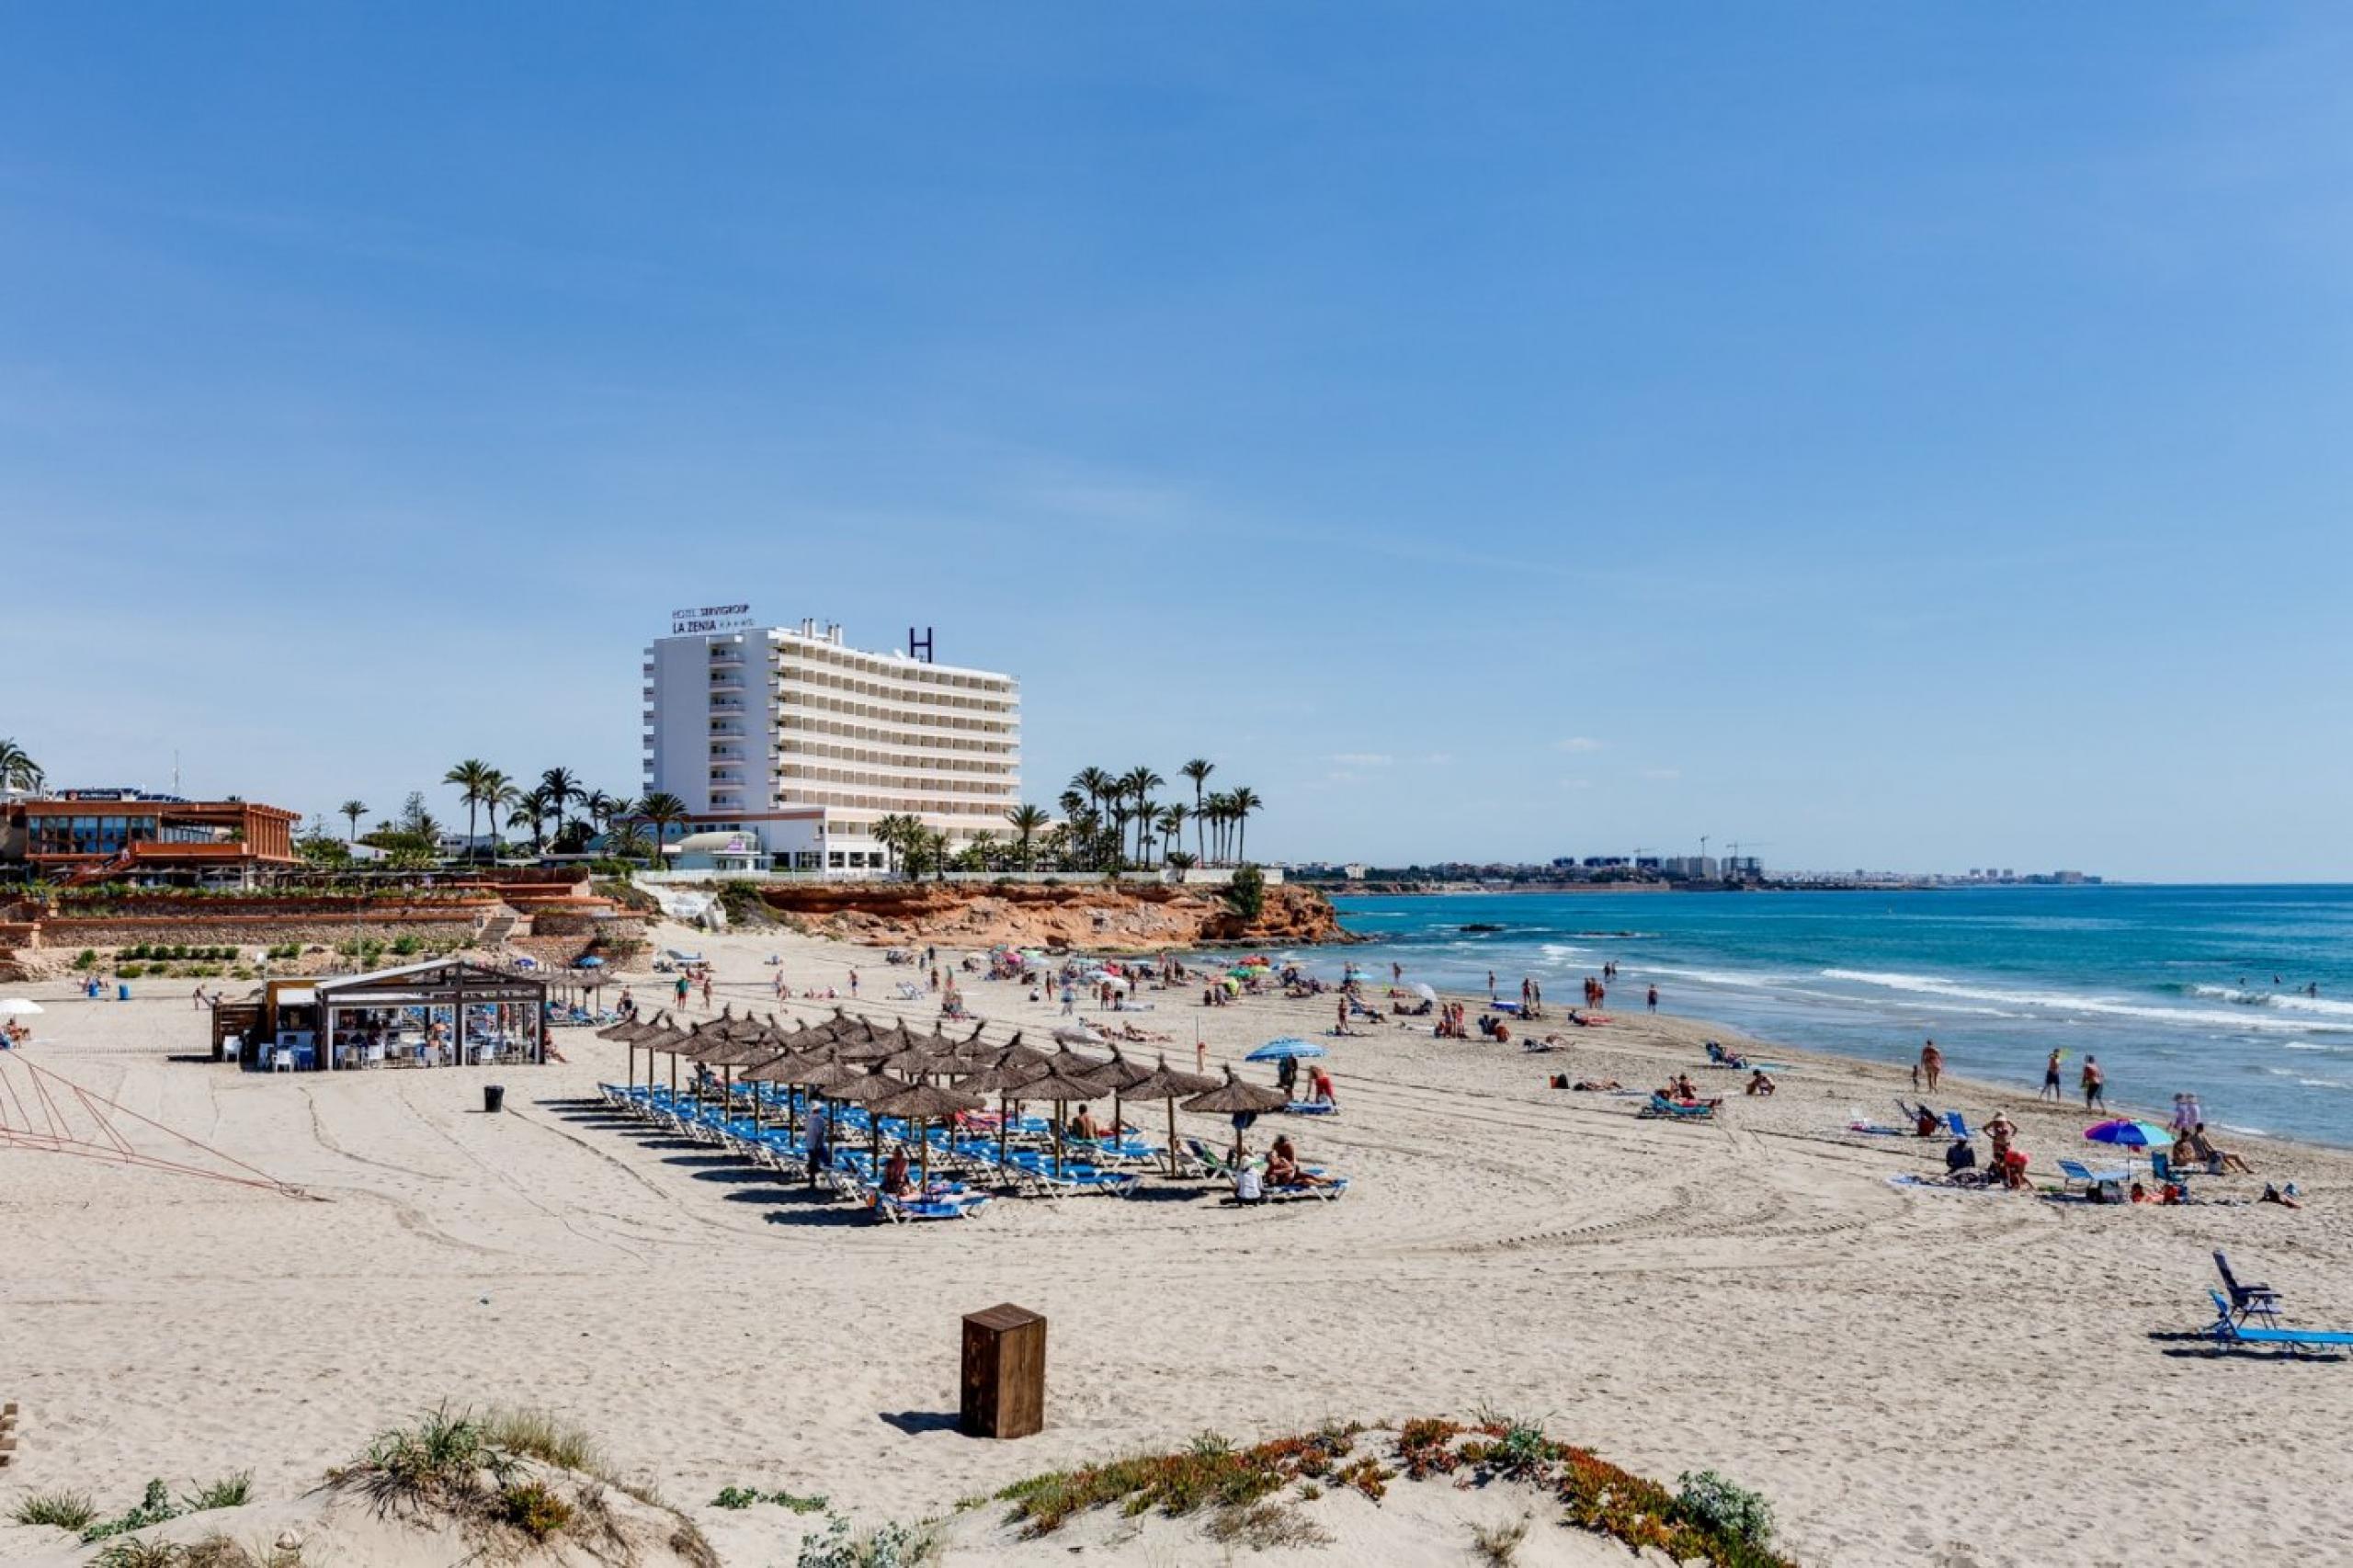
<point x="834" y="861"/>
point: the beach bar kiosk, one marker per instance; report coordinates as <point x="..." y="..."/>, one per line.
<point x="442" y="1013"/>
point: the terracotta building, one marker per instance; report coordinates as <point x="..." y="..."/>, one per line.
<point x="123" y="835"/>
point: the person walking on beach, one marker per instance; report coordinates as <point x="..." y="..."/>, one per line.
<point x="1491" y="985"/>
<point x="705" y="990"/>
<point x="2050" y="1076"/>
<point x="1932" y="1064"/>
<point x="1654" y="998"/>
<point x="2095" y="1085"/>
<point x="820" y="1130"/>
<point x="853" y="985"/>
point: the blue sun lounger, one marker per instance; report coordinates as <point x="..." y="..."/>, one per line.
<point x="1660" y="1106"/>
<point x="2227" y="1331"/>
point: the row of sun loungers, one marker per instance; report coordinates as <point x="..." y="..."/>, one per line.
<point x="1021" y="1165"/>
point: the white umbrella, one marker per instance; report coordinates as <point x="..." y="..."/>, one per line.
<point x="1423" y="989"/>
<point x="17" y="1006"/>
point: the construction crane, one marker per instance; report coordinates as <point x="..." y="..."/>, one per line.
<point x="1734" y="846"/>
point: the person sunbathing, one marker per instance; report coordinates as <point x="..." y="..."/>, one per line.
<point x="1596" y="1086"/>
<point x="1683" y="1089"/>
<point x="1758" y="1083"/>
<point x="2216" y="1160"/>
<point x="894" y="1176"/>
<point x="1283" y="1168"/>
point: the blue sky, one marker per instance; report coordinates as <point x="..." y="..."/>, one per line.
<point x="1897" y="436"/>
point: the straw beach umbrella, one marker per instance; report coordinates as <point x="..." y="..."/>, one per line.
<point x="1119" y="1075"/>
<point x="1166" y="1082"/>
<point x="1062" y="1089"/>
<point x="665" y="1036"/>
<point x="629" y="1033"/>
<point x="1234" y="1097"/>
<point x="863" y="1086"/>
<point x="920" y="1103"/>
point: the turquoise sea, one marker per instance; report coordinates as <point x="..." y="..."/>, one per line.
<point x="2173" y="988"/>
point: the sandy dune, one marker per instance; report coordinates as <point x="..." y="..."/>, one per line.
<point x="1910" y="1375"/>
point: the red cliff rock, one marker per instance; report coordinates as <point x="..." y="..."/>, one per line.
<point x="1132" y="917"/>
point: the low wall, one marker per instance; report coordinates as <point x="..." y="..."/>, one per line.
<point x="249" y="931"/>
<point x="1196" y="878"/>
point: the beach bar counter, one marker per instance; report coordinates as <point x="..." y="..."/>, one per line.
<point x="442" y="1013"/>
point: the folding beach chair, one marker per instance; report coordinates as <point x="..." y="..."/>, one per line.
<point x="2229" y="1331"/>
<point x="2247" y="1301"/>
<point x="2078" y="1173"/>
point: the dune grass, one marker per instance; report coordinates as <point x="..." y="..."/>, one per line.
<point x="65" y="1510"/>
<point x="1709" y="1521"/>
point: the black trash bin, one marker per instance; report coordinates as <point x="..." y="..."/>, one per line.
<point x="494" y="1096"/>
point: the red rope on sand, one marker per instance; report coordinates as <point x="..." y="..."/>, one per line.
<point x="117" y="1149"/>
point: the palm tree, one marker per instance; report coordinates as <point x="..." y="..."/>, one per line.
<point x="1199" y="771"/>
<point x="1100" y="787"/>
<point x="600" y="807"/>
<point x="499" y="795"/>
<point x="1141" y="781"/>
<point x="472" y="777"/>
<point x="562" y="787"/>
<point x="664" y="810"/>
<point x="532" y="804"/>
<point x="1246" y="800"/>
<point x="935" y="844"/>
<point x="628" y="842"/>
<point x="18" y="769"/>
<point x="1173" y="817"/>
<point x="354" y="810"/>
<point x="1027" y="821"/>
<point x="619" y="809"/>
<point x="1121" y="817"/>
<point x="1219" y="811"/>
<point x="900" y="835"/>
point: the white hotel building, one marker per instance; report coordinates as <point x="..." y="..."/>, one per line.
<point x="797" y="744"/>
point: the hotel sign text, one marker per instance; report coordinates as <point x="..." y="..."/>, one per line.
<point x="693" y="622"/>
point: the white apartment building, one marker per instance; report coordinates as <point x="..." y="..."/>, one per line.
<point x="799" y="743"/>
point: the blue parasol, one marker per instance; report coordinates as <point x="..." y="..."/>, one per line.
<point x="2129" y="1134"/>
<point x="1289" y="1047"/>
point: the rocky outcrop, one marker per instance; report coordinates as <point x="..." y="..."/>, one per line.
<point x="1139" y="918"/>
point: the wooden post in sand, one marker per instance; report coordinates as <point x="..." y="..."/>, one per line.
<point x="1004" y="1372"/>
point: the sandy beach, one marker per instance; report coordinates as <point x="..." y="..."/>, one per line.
<point x="1910" y="1375"/>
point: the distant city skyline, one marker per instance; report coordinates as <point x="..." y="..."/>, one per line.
<point x="1901" y="437"/>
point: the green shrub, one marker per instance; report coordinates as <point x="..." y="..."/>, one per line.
<point x="405" y="945"/>
<point x="438" y="1457"/>
<point x="892" y="1545"/>
<point x="66" y="1510"/>
<point x="87" y="959"/>
<point x="1246" y="894"/>
<point x="531" y="1508"/>
<point x="130" y="970"/>
<point x="153" y="1509"/>
<point x="1724" y="1508"/>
